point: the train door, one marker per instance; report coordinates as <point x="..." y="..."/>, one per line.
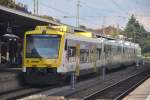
<point x="73" y="56"/>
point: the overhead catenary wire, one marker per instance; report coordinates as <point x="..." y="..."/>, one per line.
<point x="35" y="7"/>
<point x="85" y="4"/>
<point x="78" y="13"/>
<point x="98" y="9"/>
<point x="55" y="9"/>
<point x="68" y="14"/>
<point x="117" y="5"/>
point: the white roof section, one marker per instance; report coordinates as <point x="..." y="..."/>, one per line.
<point x="17" y="12"/>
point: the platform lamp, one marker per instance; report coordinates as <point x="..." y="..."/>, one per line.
<point x="0" y="51"/>
<point x="10" y="39"/>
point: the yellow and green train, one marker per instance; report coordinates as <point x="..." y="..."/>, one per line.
<point x="51" y="53"/>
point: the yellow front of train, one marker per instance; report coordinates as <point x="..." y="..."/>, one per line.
<point x="43" y="49"/>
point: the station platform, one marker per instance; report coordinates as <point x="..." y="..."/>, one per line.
<point x="142" y="92"/>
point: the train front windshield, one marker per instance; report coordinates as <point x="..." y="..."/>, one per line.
<point x="42" y="46"/>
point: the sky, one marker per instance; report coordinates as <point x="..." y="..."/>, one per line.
<point x="95" y="13"/>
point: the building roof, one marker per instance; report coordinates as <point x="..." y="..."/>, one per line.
<point x="20" y="21"/>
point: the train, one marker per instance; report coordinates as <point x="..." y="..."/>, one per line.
<point x="52" y="53"/>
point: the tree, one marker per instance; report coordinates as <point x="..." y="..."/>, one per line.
<point x="8" y="3"/>
<point x="146" y="46"/>
<point x="115" y="34"/>
<point x="47" y="17"/>
<point x="50" y="18"/>
<point x="12" y="4"/>
<point x="83" y="27"/>
<point x="136" y="31"/>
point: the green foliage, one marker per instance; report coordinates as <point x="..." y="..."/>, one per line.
<point x="12" y="4"/>
<point x="146" y="45"/>
<point x="83" y="27"/>
<point x="47" y="17"/>
<point x="8" y="3"/>
<point x="138" y="34"/>
<point x="50" y="18"/>
<point x="146" y="56"/>
<point x="115" y="34"/>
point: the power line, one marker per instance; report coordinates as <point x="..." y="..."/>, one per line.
<point x="116" y="4"/>
<point x="78" y="13"/>
<point x="36" y="7"/>
<point x="53" y="8"/>
<point x="85" y="21"/>
<point x="93" y="7"/>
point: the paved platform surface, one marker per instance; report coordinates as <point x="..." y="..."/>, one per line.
<point x="140" y="93"/>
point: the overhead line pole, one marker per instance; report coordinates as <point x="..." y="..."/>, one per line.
<point x="103" y="25"/>
<point x="34" y="6"/>
<point x="116" y="4"/>
<point x="78" y="13"/>
<point x="37" y="7"/>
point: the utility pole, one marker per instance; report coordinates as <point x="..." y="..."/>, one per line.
<point x="78" y="13"/>
<point x="103" y="30"/>
<point x="117" y="28"/>
<point x="36" y="7"/>
<point x="103" y="25"/>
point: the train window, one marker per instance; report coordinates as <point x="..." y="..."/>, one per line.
<point x="71" y="51"/>
<point x="99" y="53"/>
<point x="116" y="50"/>
<point x="43" y="46"/>
<point x="66" y="45"/>
<point x="135" y="51"/>
<point x="124" y="51"/>
<point x="119" y="49"/>
<point x="105" y="48"/>
<point x="71" y="54"/>
<point x="109" y="48"/>
<point x="84" y="55"/>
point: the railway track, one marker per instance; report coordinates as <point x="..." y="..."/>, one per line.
<point x="10" y="80"/>
<point x="27" y="91"/>
<point x="12" y="85"/>
<point x="86" y="90"/>
<point x="116" y="90"/>
<point x="119" y="90"/>
<point x="22" y="92"/>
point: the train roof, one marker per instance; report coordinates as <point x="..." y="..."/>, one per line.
<point x="101" y="36"/>
<point x="74" y="33"/>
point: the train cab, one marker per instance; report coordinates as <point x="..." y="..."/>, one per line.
<point x="43" y="50"/>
